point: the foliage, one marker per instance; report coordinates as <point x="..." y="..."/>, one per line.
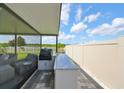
<point x="48" y="45"/>
<point x="22" y="48"/>
<point x="20" y="41"/>
<point x="3" y="48"/>
<point x="21" y="55"/>
<point x="12" y="42"/>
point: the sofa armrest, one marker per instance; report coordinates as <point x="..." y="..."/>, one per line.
<point x="7" y="72"/>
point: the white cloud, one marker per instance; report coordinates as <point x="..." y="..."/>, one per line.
<point x="78" y="27"/>
<point x="63" y="36"/>
<point x="90" y="7"/>
<point x="118" y="22"/>
<point x="78" y="14"/>
<point x="91" y="41"/>
<point x="85" y="19"/>
<point x="92" y="17"/>
<point x="87" y="40"/>
<point x="116" y="26"/>
<point x="106" y="15"/>
<point x="49" y="39"/>
<point x="65" y="13"/>
<point x="88" y="31"/>
<point x="6" y="38"/>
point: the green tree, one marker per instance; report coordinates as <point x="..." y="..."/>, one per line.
<point x="12" y="42"/>
<point x="20" y="41"/>
<point x="3" y="48"/>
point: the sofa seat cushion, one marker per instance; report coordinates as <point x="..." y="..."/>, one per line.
<point x="7" y="72"/>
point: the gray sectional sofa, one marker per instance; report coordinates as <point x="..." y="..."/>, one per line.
<point x="13" y="72"/>
<point x="7" y="72"/>
<point x="26" y="65"/>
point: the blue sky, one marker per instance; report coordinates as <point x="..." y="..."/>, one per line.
<point x="84" y="23"/>
<point x="92" y="22"/>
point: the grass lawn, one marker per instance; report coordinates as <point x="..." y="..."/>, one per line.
<point x="21" y="56"/>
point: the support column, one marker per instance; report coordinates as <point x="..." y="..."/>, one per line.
<point x="56" y="44"/>
<point x="15" y="43"/>
<point x="40" y="41"/>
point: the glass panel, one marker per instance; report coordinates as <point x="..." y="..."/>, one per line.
<point x="61" y="44"/>
<point x="49" y="42"/>
<point x="61" y="47"/>
<point x="27" y="44"/>
<point x="6" y="44"/>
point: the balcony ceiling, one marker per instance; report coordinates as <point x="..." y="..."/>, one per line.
<point x="44" y="17"/>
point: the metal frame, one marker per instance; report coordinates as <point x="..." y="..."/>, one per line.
<point x="15" y="37"/>
<point x="15" y="43"/>
<point x="57" y="44"/>
<point x="40" y="41"/>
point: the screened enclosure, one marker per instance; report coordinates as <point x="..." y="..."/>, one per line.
<point x="25" y="20"/>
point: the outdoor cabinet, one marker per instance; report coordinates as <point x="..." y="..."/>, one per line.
<point x="46" y="64"/>
<point x="66" y="73"/>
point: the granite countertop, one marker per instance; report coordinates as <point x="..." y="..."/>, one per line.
<point x="63" y="62"/>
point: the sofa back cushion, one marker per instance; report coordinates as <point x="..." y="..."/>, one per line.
<point x="7" y="58"/>
<point x="32" y="57"/>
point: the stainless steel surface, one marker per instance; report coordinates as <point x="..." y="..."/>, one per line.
<point x="62" y="61"/>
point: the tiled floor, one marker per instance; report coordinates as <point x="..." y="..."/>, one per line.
<point x="45" y="80"/>
<point x="41" y="80"/>
<point x="86" y="82"/>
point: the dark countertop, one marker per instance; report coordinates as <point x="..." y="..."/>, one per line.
<point x="63" y="62"/>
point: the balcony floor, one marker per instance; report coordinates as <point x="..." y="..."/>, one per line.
<point x="40" y="80"/>
<point x="86" y="82"/>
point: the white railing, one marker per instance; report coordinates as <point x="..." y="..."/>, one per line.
<point x="23" y="49"/>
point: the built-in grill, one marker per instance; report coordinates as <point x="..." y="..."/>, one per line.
<point x="45" y="54"/>
<point x="46" y="59"/>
